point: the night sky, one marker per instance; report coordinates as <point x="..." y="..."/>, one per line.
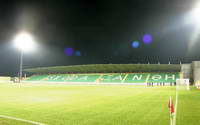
<point x="71" y="32"/>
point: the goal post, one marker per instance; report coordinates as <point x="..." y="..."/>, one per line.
<point x="183" y="83"/>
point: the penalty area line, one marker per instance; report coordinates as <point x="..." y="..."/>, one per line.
<point x="23" y="120"/>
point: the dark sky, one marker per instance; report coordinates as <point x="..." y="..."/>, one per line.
<point x="101" y="30"/>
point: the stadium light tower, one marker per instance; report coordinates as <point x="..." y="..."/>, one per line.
<point x="25" y="43"/>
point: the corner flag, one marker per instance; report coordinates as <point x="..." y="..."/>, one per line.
<point x="171" y="111"/>
<point x="171" y="106"/>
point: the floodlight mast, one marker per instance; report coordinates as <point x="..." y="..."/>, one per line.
<point x="24" y="42"/>
<point x="21" y="66"/>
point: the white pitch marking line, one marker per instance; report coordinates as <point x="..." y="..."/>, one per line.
<point x="176" y="105"/>
<point x="23" y="120"/>
<point x="147" y="78"/>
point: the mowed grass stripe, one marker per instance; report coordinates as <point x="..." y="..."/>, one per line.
<point x="87" y="105"/>
<point x="188" y="112"/>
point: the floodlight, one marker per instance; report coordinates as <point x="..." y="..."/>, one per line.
<point x="24" y="42"/>
<point x="196" y="14"/>
<point x="193" y="17"/>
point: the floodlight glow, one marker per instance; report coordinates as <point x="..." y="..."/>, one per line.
<point x="193" y="17"/>
<point x="24" y="42"/>
<point x="196" y="14"/>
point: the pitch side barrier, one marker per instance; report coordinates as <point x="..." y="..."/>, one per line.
<point x="108" y="78"/>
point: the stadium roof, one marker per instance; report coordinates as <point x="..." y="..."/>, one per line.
<point x="107" y="68"/>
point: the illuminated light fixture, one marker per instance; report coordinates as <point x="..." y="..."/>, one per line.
<point x="24" y="42"/>
<point x="196" y="14"/>
<point x="193" y="17"/>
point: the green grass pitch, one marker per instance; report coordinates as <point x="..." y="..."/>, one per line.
<point x="95" y="104"/>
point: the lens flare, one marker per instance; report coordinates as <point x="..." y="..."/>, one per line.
<point x="147" y="38"/>
<point x="78" y="53"/>
<point x="69" y="51"/>
<point x="135" y="44"/>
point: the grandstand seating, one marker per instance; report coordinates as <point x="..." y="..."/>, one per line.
<point x="36" y="77"/>
<point x="70" y="78"/>
<point x="108" y="78"/>
<point x="136" y="78"/>
<point x="112" y="78"/>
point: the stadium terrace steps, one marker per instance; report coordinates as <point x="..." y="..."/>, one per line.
<point x="108" y="78"/>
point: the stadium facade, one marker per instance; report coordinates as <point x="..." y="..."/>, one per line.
<point x="192" y="72"/>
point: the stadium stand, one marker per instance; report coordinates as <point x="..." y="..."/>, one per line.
<point x="108" y="78"/>
<point x="112" y="78"/>
<point x="37" y="77"/>
<point x="107" y="73"/>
